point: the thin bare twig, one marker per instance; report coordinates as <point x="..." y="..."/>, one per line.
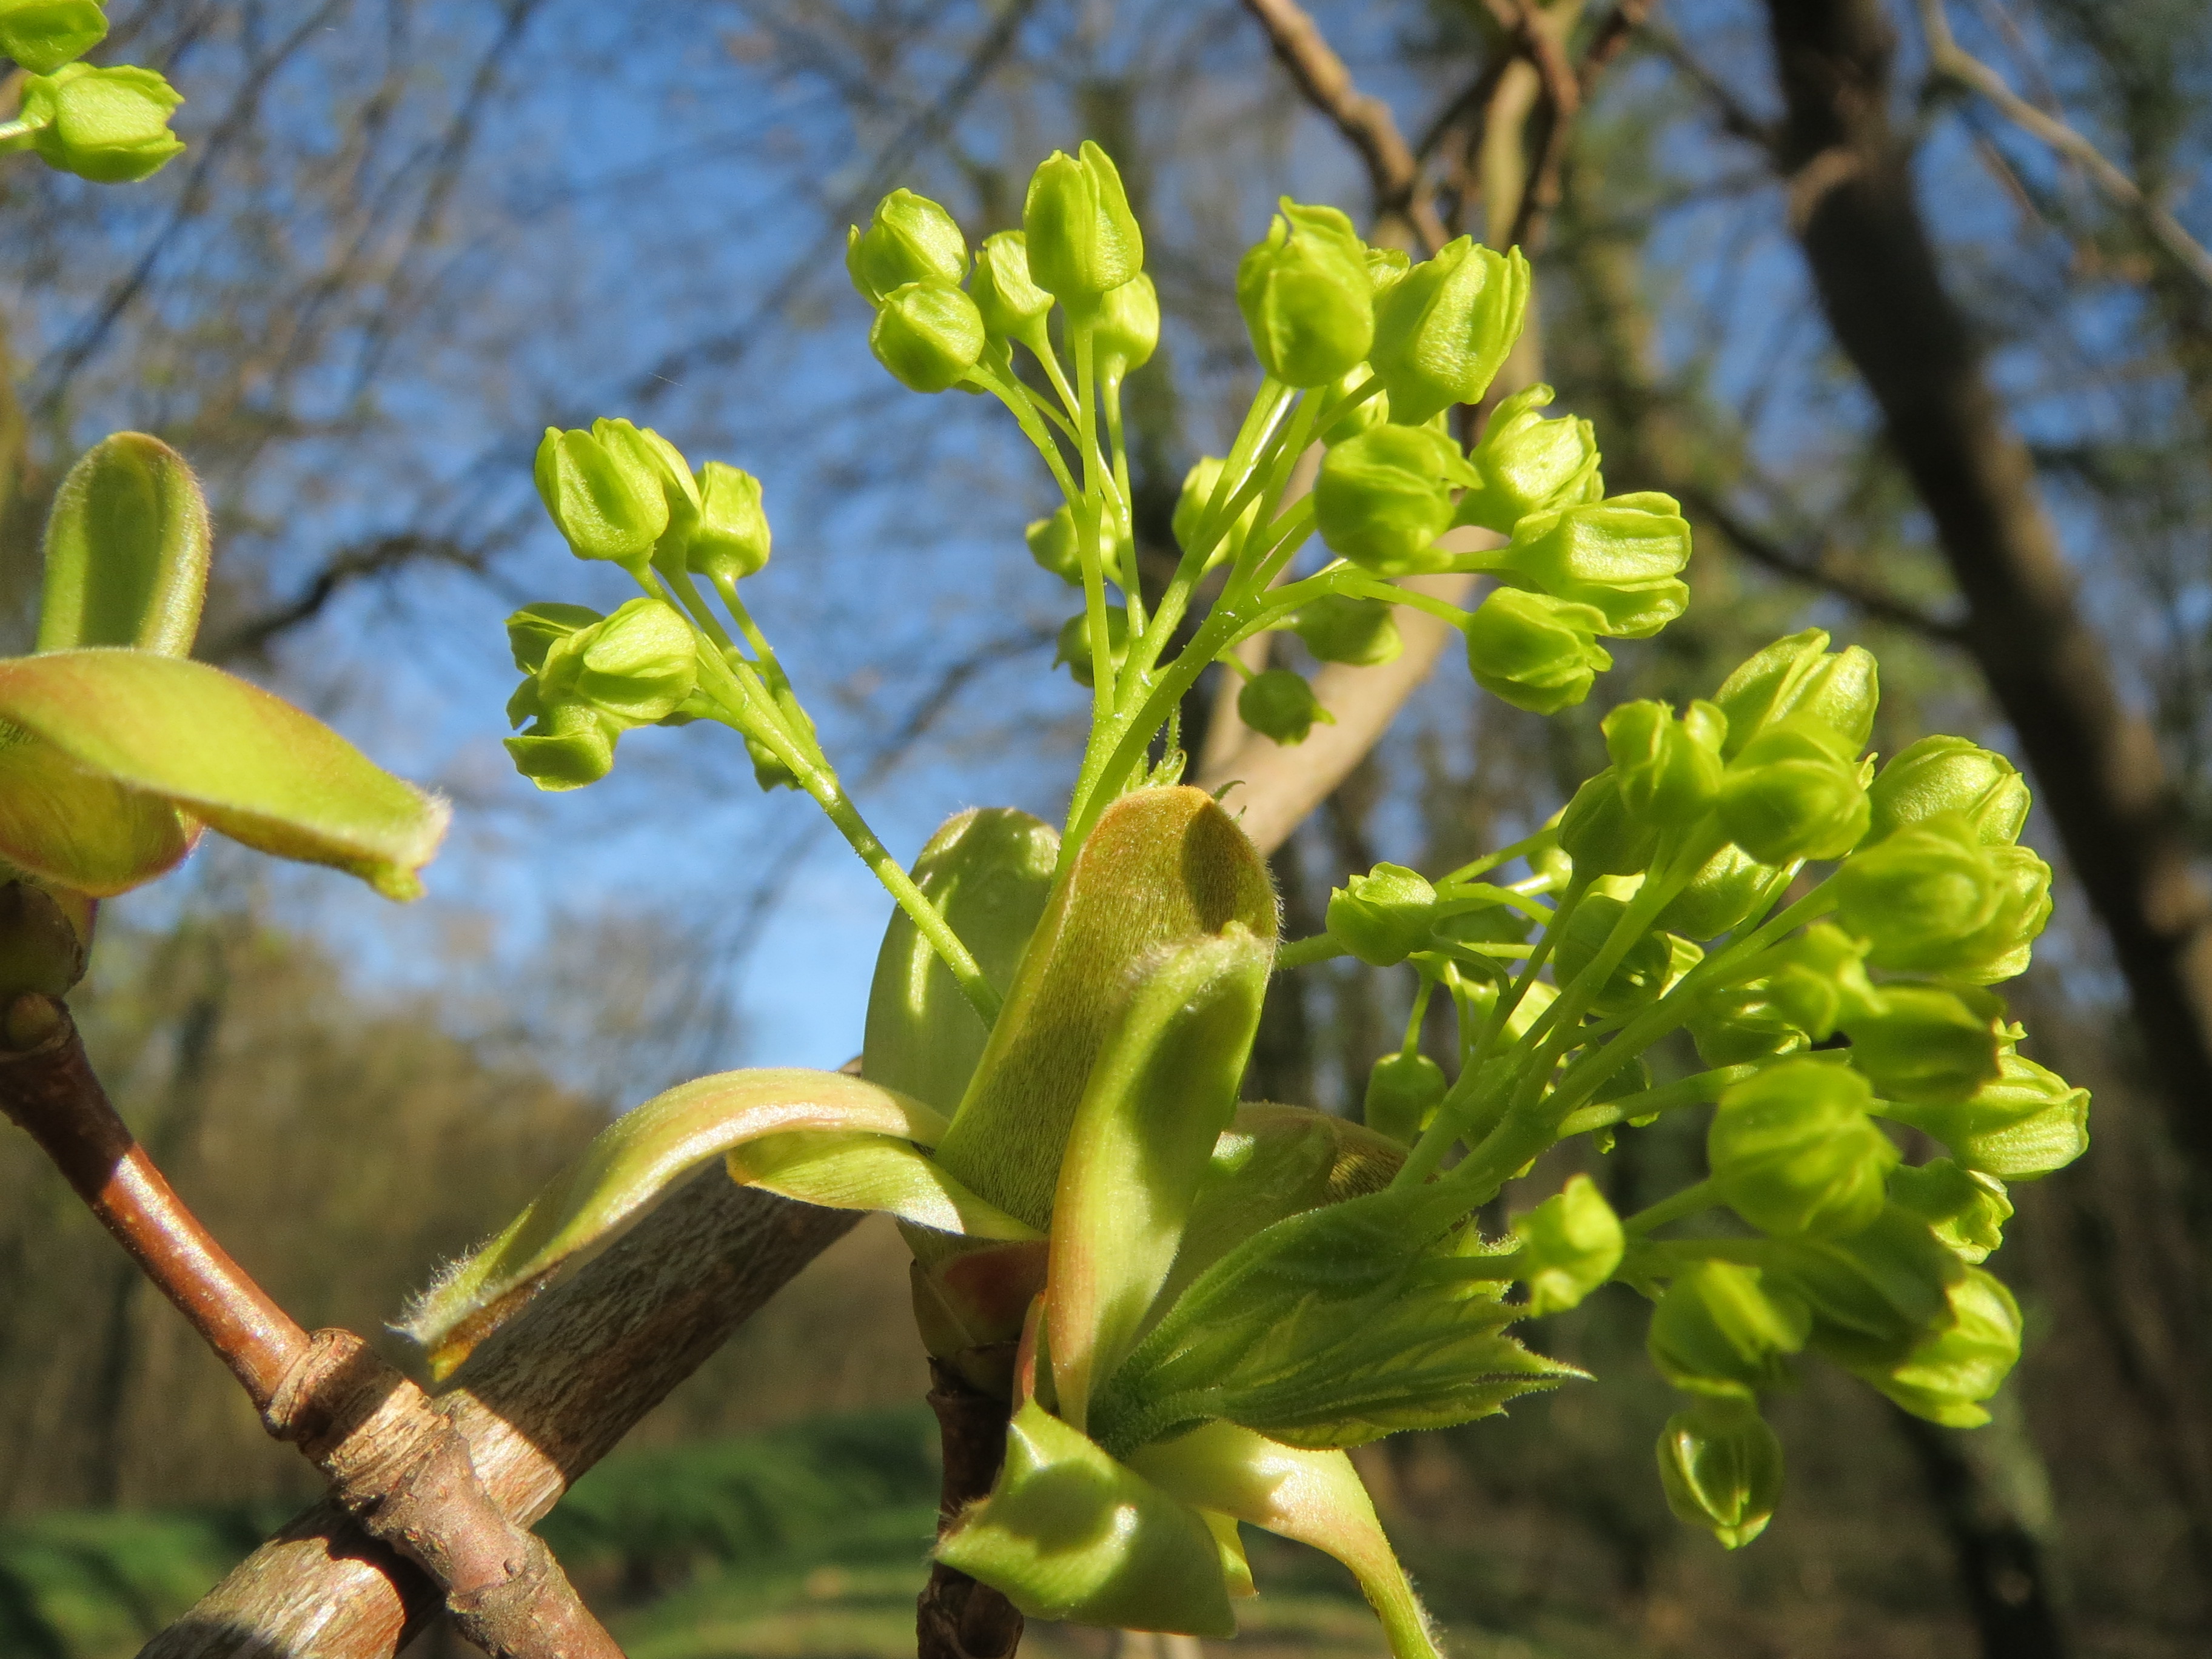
<point x="1952" y="62"/>
<point x="394" y="1463"/>
<point x="1622" y="21"/>
<point x="1537" y="39"/>
<point x="1365" y="120"/>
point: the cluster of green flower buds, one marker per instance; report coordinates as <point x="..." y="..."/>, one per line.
<point x="590" y="680"/>
<point x="111" y="125"/>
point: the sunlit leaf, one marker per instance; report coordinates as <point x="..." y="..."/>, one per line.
<point x="246" y="761"/>
<point x="76" y="828"/>
<point x="126" y="551"/>
<point x="844" y="1171"/>
<point x="631" y="1162"/>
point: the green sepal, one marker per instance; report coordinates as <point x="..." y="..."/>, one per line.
<point x="1313" y="1498"/>
<point x="2026" y="1122"/>
<point x="126" y="551"/>
<point x="1570" y="1245"/>
<point x="247" y="762"/>
<point x="1947" y="1374"/>
<point x="1875" y="1296"/>
<point x="1966" y="1208"/>
<point x="1067" y="1533"/>
<point x="840" y="1171"/>
<point x="41" y="36"/>
<point x="988" y="872"/>
<point x="629" y="1163"/>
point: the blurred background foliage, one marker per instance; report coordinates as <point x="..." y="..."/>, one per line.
<point x="410" y="233"/>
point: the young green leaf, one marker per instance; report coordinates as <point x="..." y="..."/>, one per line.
<point x="80" y="830"/>
<point x="126" y="551"/>
<point x="840" y="1171"/>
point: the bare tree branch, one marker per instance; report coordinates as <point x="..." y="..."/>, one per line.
<point x="349" y="565"/>
<point x="1952" y="61"/>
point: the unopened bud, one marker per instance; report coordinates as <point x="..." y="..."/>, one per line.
<point x="1949" y="1373"/>
<point x="910" y="240"/>
<point x="1307" y="300"/>
<point x="1793" y="1150"/>
<point x="1927" y="1044"/>
<point x="1620" y="556"/>
<point x="1443" y="328"/>
<point x="1638" y="977"/>
<point x="1600" y="834"/>
<point x="1789" y="797"/>
<point x="1198" y="486"/>
<point x="1337" y="627"/>
<point x="2024" y="1122"/>
<point x="1819" y="981"/>
<point x="1933" y="898"/>
<point x="41" y="36"/>
<point x="1721" y="1330"/>
<point x="1072" y="646"/>
<point x="1403" y="1090"/>
<point x="1797" y="677"/>
<point x="1874" y="1294"/>
<point x="1535" y="652"/>
<point x="1729" y="889"/>
<point x="1720" y="1465"/>
<point x="1383" y="916"/>
<point x="603" y="492"/>
<point x="1012" y="306"/>
<point x="1125" y="330"/>
<point x="639" y="663"/>
<point x="1280" y="704"/>
<point x="1668" y="770"/>
<point x="1383" y="498"/>
<point x="1943" y="775"/>
<point x="1570" y="1245"/>
<point x="928" y="335"/>
<point x="1967" y="1208"/>
<point x="1741" y="1024"/>
<point x="109" y="126"/>
<point x="730" y="539"/>
<point x="1083" y="242"/>
<point x="1530" y="465"/>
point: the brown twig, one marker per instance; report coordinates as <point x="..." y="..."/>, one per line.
<point x="1623" y="20"/>
<point x="394" y="1462"/>
<point x="955" y="1617"/>
<point x="1536" y="39"/>
<point x="1365" y="120"/>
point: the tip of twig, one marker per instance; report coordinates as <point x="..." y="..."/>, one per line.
<point x="31" y="1018"/>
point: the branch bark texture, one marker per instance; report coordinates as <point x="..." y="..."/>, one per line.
<point x="2096" y="764"/>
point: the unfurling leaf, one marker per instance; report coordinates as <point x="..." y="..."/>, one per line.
<point x="126" y="551"/>
<point x="844" y="1171"/>
<point x="244" y="762"/>
<point x="629" y="1163"/>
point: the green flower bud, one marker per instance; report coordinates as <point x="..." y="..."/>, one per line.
<point x="1055" y="544"/>
<point x="567" y="747"/>
<point x="1600" y="834"/>
<point x="602" y="490"/>
<point x="1383" y="497"/>
<point x="1371" y="411"/>
<point x="1570" y="1245"/>
<point x="1280" y="704"/>
<point x="768" y="771"/>
<point x="1074" y="644"/>
<point x="1383" y="916"/>
<point x="1874" y="1295"/>
<point x="41" y="36"/>
<point x="1819" y="981"/>
<point x="1307" y="300"/>
<point x="536" y="628"/>
<point x="1083" y="240"/>
<point x="1402" y="1093"/>
<point x="1934" y="899"/>
<point x="637" y="665"/>
<point x="1788" y="797"/>
<point x="1127" y="331"/>
<point x="1929" y="1044"/>
<point x="1535" y="652"/>
<point x="1337" y="627"/>
<point x="1385" y="265"/>
<point x="1721" y="1330"/>
<point x="1720" y="1465"/>
<point x="2025" y="1123"/>
<point x="731" y="540"/>
<point x="910" y="240"/>
<point x="1668" y="770"/>
<point x="1198" y="486"/>
<point x="1641" y="974"/>
<point x="1965" y="1208"/>
<point x="1741" y="1024"/>
<point x="928" y="335"/>
<point x="1947" y="1374"/>
<point x="1012" y="306"/>
<point x="1619" y="556"/>
<point x="1530" y="465"/>
<point x="1796" y="677"/>
<point x="1731" y="888"/>
<point x="1793" y="1150"/>
<point x="1937" y="775"/>
<point x="109" y="126"/>
<point x="1443" y="328"/>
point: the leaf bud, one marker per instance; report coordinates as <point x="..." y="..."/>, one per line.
<point x="568" y="746"/>
<point x="41" y="36"/>
<point x="1668" y="770"/>
<point x="1720" y="1329"/>
<point x="928" y="335"/>
<point x="603" y="492"/>
<point x="1280" y="704"/>
<point x="1730" y="888"/>
<point x="1793" y="1150"/>
<point x="1873" y="1294"/>
<point x="109" y="126"/>
<point x="1337" y="627"/>
<point x="536" y="628"/>
<point x="1720" y="1465"/>
<point x="1965" y="1209"/>
<point x="1198" y="485"/>
<point x="1307" y="303"/>
<point x="1600" y="834"/>
<point x="1948" y="1374"/>
<point x="1535" y="652"/>
<point x="1383" y="916"/>
<point x="1797" y="677"/>
<point x="1383" y="498"/>
<point x="1072" y="646"/>
<point x="1127" y="330"/>
<point x="1819" y="981"/>
<point x="1012" y="306"/>
<point x="1636" y="980"/>
<point x="1443" y="329"/>
<point x="1083" y="242"/>
<point x="910" y="240"/>
<point x="639" y="664"/>
<point x="1929" y="1044"/>
<point x="731" y="540"/>
<point x="1570" y="1245"/>
<point x="2025" y="1123"/>
<point x="1789" y="797"/>
<point x="1530" y="465"/>
<point x="1942" y="775"/>
<point x="1403" y="1090"/>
